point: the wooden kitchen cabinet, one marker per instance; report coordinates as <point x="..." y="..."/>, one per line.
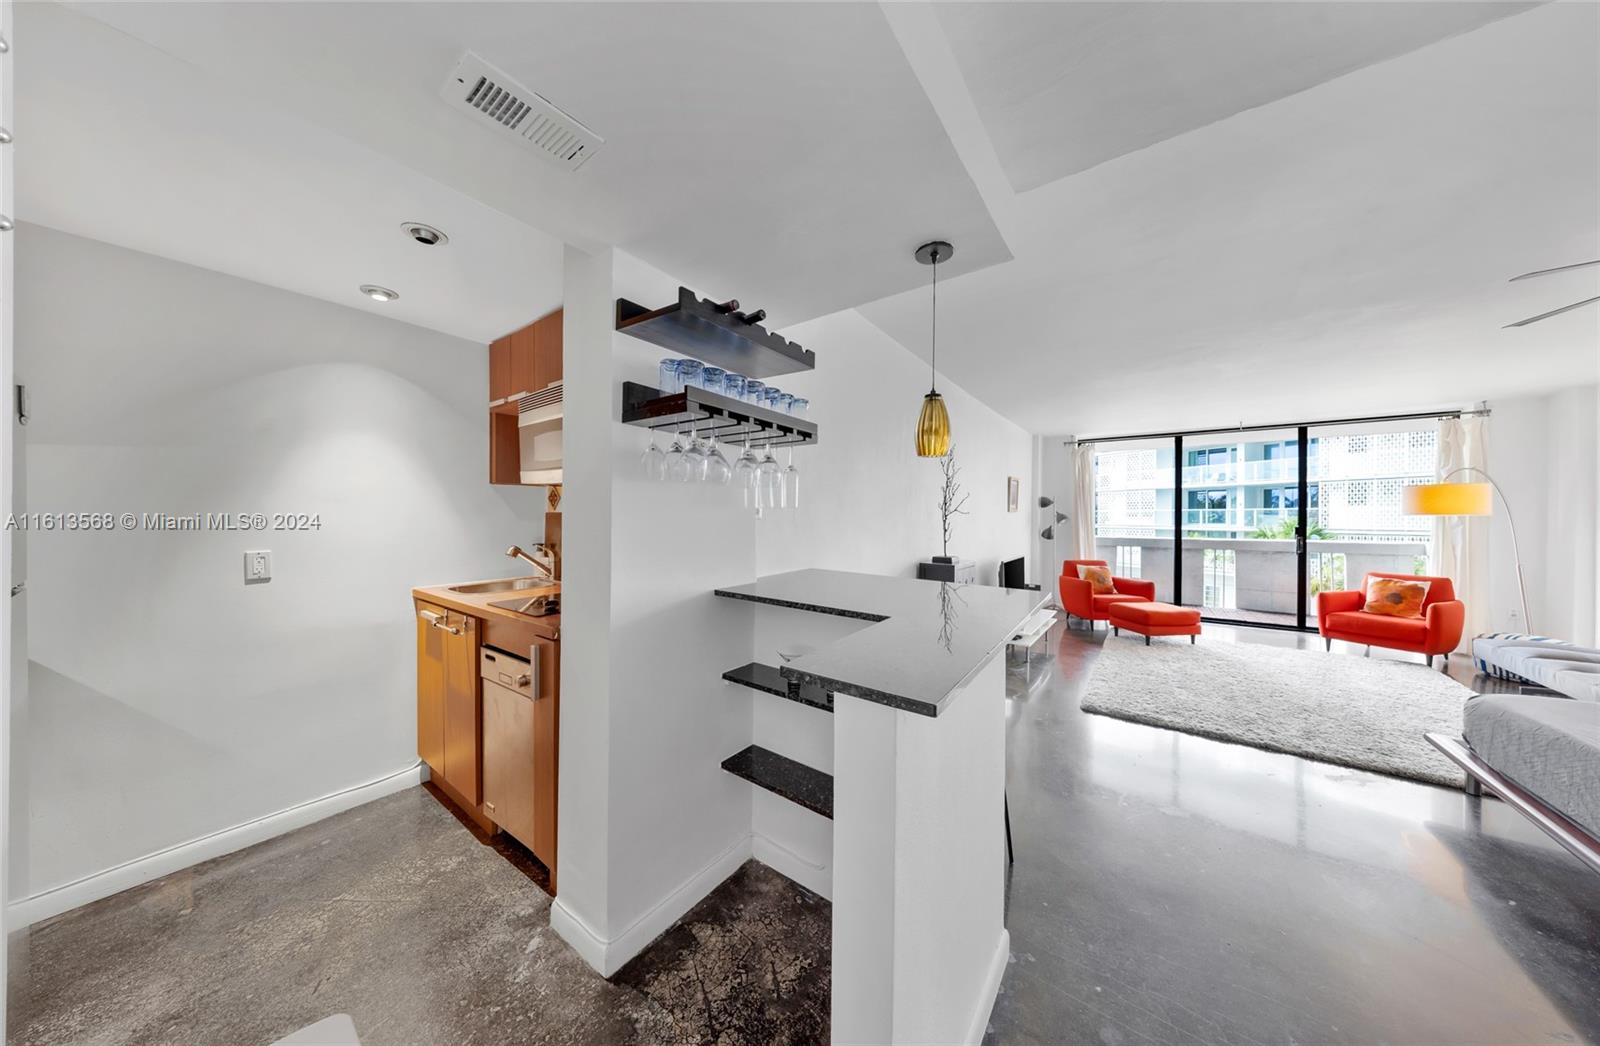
<point x="525" y="361"/>
<point x="546" y="749"/>
<point x="500" y="380"/>
<point x="547" y="347"/>
<point x="430" y="688"/>
<point x="449" y="716"/>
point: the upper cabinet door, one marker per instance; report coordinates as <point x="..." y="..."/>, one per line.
<point x="547" y="351"/>
<point x="500" y="369"/>
<point x="524" y="352"/>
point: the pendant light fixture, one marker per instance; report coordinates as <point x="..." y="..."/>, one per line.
<point x="933" y="424"/>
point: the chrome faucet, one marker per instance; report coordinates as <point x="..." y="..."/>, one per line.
<point x="550" y="567"/>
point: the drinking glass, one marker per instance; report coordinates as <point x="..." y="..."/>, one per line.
<point x="798" y="407"/>
<point x="655" y="460"/>
<point x="733" y="385"/>
<point x="677" y="460"/>
<point x="755" y="391"/>
<point x="784" y="402"/>
<point x="791" y="483"/>
<point x="770" y="396"/>
<point x="769" y="478"/>
<point x="671" y="376"/>
<point x="744" y="473"/>
<point x="689" y="373"/>
<point x="717" y="470"/>
<point x="696" y="458"/>
<point x="711" y="379"/>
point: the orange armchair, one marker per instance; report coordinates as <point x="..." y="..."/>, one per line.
<point x="1078" y="598"/>
<point x="1341" y="615"/>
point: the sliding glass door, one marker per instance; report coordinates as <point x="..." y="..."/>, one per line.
<point x="1133" y="505"/>
<point x="1357" y="526"/>
<point x="1239" y="552"/>
<point x="1249" y="525"/>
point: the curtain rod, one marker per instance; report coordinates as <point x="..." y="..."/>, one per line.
<point x="1435" y="414"/>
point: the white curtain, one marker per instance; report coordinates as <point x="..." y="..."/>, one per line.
<point x="1460" y="546"/>
<point x="1083" y="501"/>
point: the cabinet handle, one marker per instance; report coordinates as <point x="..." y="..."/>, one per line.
<point x="430" y="617"/>
<point x="523" y="680"/>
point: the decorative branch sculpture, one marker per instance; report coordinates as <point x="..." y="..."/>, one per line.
<point x="952" y="499"/>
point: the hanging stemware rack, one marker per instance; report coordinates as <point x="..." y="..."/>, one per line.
<point x="713" y="415"/>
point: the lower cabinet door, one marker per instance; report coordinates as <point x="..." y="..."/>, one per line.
<point x="509" y="767"/>
<point x="462" y="715"/>
<point x="431" y="687"/>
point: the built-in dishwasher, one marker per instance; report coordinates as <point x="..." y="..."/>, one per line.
<point x="510" y="754"/>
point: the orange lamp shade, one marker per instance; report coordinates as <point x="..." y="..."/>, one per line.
<point x="1447" y="499"/>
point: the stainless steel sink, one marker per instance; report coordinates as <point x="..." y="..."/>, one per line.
<point x="510" y="584"/>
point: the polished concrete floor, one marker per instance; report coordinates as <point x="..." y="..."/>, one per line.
<point x="1171" y="889"/>
<point x="1167" y="889"/>
<point x="397" y="915"/>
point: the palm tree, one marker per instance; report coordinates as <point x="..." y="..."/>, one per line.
<point x="1284" y="530"/>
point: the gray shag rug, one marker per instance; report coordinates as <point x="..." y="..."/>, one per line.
<point x="1367" y="713"/>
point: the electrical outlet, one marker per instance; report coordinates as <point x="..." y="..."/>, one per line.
<point x="257" y="567"/>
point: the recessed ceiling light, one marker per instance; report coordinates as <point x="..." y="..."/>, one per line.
<point x="377" y="293"/>
<point x="426" y="235"/>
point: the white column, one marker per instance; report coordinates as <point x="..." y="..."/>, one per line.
<point x="919" y="941"/>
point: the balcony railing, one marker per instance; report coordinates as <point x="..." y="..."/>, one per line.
<point x="1245" y="523"/>
<point x="1256" y="576"/>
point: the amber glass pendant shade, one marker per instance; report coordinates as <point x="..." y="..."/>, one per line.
<point x="933" y="428"/>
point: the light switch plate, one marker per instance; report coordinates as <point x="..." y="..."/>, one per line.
<point x="257" y="567"/>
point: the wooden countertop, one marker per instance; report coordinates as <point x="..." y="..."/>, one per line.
<point x="477" y="604"/>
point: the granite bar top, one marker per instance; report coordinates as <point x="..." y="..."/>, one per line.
<point x="929" y="640"/>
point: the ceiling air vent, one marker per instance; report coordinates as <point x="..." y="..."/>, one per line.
<point x="496" y="100"/>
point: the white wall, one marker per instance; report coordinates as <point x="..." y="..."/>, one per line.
<point x="867" y="501"/>
<point x="1543" y="453"/>
<point x="649" y="822"/>
<point x="170" y="700"/>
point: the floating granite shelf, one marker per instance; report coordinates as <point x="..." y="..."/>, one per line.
<point x="713" y="414"/>
<point x="782" y="776"/>
<point x="769" y="680"/>
<point x="719" y="334"/>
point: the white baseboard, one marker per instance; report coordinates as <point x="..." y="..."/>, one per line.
<point x="991" y="988"/>
<point x="64" y="898"/>
<point x="608" y="955"/>
<point x="814" y="877"/>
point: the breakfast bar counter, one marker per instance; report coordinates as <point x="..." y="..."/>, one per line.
<point x="918" y="804"/>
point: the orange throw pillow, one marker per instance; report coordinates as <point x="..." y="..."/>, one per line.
<point x="1396" y="598"/>
<point x="1099" y="579"/>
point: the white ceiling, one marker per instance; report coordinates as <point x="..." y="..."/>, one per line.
<point x="1065" y="86"/>
<point x="1234" y="212"/>
<point x="781" y="152"/>
<point x="1341" y="251"/>
<point x="119" y="142"/>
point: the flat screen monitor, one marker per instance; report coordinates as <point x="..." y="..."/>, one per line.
<point x="1011" y="573"/>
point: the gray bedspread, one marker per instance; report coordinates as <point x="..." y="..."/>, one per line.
<point x="1548" y="745"/>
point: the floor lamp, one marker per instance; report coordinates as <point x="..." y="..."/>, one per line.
<point x="1467" y="499"/>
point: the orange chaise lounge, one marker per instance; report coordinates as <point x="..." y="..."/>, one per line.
<point x="1078" y="597"/>
<point x="1436" y="630"/>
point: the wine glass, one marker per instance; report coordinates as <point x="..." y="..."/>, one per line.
<point x="791" y="482"/>
<point x="655" y="460"/>
<point x="717" y="469"/>
<point x="769" y="479"/>
<point x="745" y="473"/>
<point x="696" y="457"/>
<point x="678" y="460"/>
